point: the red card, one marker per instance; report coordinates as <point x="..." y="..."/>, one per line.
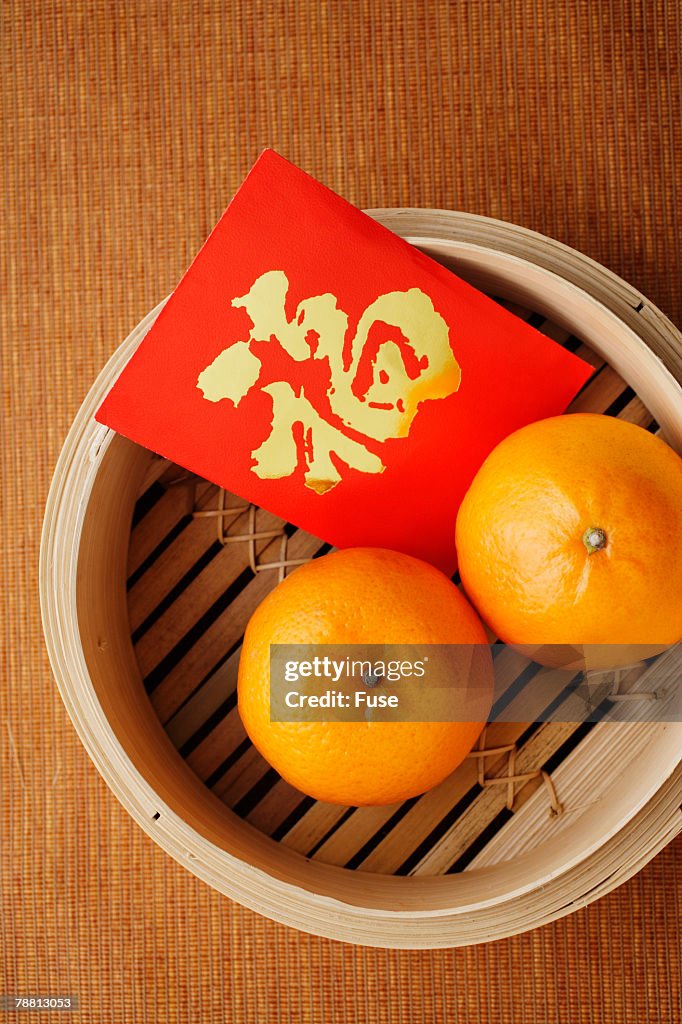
<point x="314" y="363"/>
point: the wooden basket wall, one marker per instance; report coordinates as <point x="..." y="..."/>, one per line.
<point x="535" y="822"/>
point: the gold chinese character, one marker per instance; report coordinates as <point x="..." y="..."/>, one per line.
<point x="398" y="357"/>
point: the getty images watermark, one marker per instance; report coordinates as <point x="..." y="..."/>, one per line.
<point x="474" y="682"/>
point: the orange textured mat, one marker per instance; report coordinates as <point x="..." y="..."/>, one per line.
<point x="126" y="128"/>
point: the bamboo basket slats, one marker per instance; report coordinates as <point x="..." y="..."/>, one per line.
<point x="177" y="559"/>
<point x="491" y="800"/>
<point x="420" y="818"/>
<point x="229" y="565"/>
<point x="249" y="770"/>
<point x="518" y="703"/>
<point x="636" y="412"/>
<point x="509" y="666"/>
<point x="272" y="810"/>
<point x="220" y="745"/>
<point x="539" y="748"/>
<point x="348" y="843"/>
<point x="582" y="351"/>
<point x="196" y="544"/>
<point x="152" y="530"/>
<point x="363" y="831"/>
<point x="223" y="742"/>
<point x="599" y="747"/>
<point x="453" y="866"/>
<point x="563" y="337"/>
<point x="304" y="834"/>
<point x="279" y="801"/>
<point x="156" y="468"/>
<point x="383" y="839"/>
<point x="588" y="789"/>
<point x="530" y="816"/>
<point x="204" y="702"/>
<point x="212" y="642"/>
<point x="396" y="845"/>
<point x="432" y="808"/>
<point x="599" y="393"/>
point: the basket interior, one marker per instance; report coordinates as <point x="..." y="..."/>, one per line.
<point x="201" y="560"/>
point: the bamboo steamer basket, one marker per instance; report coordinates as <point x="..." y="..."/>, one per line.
<point x="144" y="602"/>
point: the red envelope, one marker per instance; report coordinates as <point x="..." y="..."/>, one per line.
<point x="315" y="364"/>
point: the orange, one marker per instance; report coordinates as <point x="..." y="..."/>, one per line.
<point x="361" y="596"/>
<point x="571" y="534"/>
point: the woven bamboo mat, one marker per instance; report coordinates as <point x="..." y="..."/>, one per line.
<point x="129" y="126"/>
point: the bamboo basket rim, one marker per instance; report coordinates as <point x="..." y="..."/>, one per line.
<point x="342" y="918"/>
